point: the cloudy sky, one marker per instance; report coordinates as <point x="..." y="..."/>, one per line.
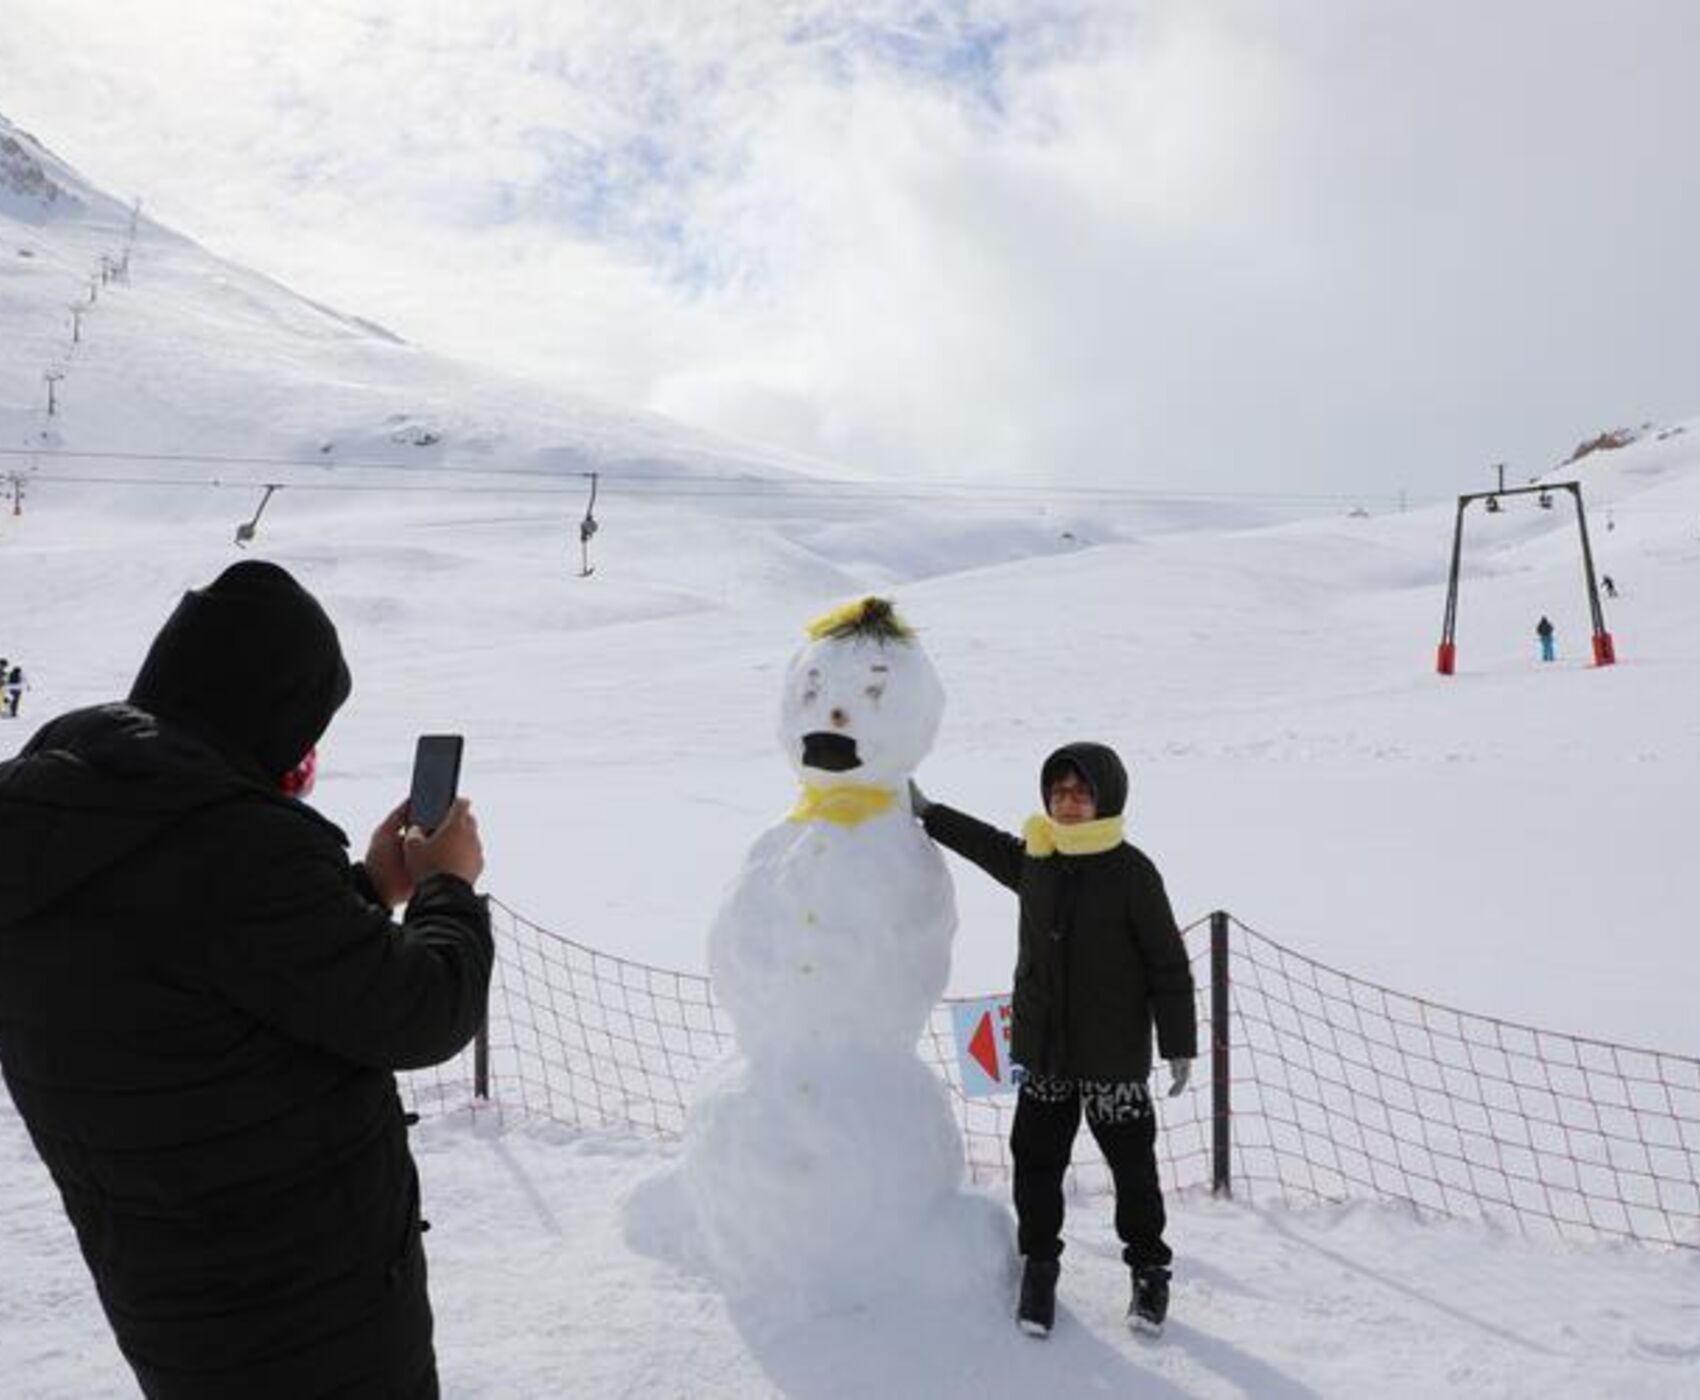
<point x="1292" y="245"/>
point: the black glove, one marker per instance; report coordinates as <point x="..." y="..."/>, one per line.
<point x="918" y="800"/>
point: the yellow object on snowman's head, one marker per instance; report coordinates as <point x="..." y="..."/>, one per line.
<point x="866" y="617"/>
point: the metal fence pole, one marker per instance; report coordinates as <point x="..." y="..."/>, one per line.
<point x="1221" y="1152"/>
<point x="481" y="1061"/>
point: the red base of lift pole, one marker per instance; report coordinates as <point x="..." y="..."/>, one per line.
<point x="1447" y="659"/>
<point x="1605" y="654"/>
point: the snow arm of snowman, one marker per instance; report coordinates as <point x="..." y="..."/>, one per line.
<point x="996" y="852"/>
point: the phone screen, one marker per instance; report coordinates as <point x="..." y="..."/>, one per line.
<point x="436" y="778"/>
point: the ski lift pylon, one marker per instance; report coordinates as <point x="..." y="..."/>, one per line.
<point x="587" y="528"/>
<point x="246" y="530"/>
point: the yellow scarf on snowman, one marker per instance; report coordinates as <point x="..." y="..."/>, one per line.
<point x="845" y="804"/>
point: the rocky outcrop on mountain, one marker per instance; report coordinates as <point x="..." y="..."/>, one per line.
<point x="39" y="188"/>
<point x="1607" y="441"/>
<point x="26" y="186"/>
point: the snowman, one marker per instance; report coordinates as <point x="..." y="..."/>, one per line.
<point x="823" y="1157"/>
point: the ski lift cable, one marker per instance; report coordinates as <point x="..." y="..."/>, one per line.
<point x="630" y="474"/>
<point x="736" y="487"/>
<point x="914" y="486"/>
<point x="667" y="491"/>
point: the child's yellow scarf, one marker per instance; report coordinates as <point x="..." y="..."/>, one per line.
<point x="1046" y="837"/>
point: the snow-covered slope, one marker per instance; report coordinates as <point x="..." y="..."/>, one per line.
<point x="193" y="354"/>
<point x="1515" y="838"/>
<point x="190" y="369"/>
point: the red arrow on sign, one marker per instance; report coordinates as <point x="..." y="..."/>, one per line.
<point x="984" y="1049"/>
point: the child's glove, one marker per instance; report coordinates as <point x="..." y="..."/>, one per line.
<point x="1180" y="1072"/>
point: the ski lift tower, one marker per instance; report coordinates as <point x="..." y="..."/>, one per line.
<point x="1605" y="653"/>
<point x="246" y="531"/>
<point x="587" y="528"/>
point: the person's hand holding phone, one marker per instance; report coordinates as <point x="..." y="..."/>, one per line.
<point x="452" y="849"/>
<point x="386" y="860"/>
<point x="442" y="833"/>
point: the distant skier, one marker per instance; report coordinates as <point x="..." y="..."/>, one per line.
<point x="1544" y="630"/>
<point x="1607" y="584"/>
<point x="15" y="685"/>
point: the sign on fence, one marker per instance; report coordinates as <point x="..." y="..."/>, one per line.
<point x="982" y="1045"/>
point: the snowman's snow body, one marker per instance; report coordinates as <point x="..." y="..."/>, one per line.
<point x="825" y="1147"/>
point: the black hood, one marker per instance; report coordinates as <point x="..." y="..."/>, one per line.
<point x="95" y="786"/>
<point x="251" y="663"/>
<point x="1099" y="766"/>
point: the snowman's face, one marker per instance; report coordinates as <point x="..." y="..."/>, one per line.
<point x="857" y="710"/>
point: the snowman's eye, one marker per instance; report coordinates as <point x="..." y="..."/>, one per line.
<point x="874" y="691"/>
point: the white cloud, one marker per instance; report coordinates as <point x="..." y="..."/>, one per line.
<point x="1219" y="243"/>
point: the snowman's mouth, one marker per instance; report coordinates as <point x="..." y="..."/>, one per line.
<point x="830" y="753"/>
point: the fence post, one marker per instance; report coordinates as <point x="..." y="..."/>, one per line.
<point x="1221" y="1176"/>
<point x="481" y="1061"/>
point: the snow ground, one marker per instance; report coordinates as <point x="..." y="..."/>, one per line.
<point x="1516" y="839"/>
<point x="540" y="1291"/>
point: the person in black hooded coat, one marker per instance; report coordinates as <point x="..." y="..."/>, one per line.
<point x="202" y="1006"/>
<point x="1100" y="962"/>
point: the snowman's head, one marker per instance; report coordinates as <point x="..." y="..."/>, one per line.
<point x="862" y="702"/>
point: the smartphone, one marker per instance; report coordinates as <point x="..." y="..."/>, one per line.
<point x="436" y="779"/>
